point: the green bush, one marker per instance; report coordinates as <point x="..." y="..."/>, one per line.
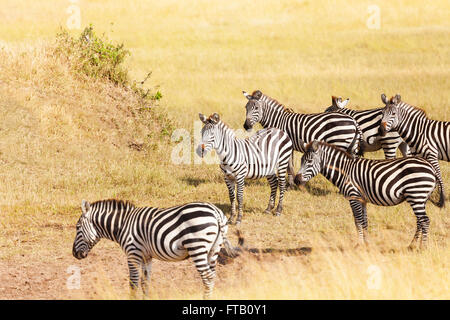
<point x="97" y="57"/>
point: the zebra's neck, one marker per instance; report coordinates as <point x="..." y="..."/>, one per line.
<point x="411" y="127"/>
<point x="335" y="166"/>
<point x="109" y="221"/>
<point x="226" y="141"/>
<point x="273" y="113"/>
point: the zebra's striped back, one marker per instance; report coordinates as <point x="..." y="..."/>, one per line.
<point x="335" y="128"/>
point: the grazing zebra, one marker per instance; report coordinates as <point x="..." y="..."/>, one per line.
<point x="334" y="128"/>
<point x="265" y="154"/>
<point x="194" y="230"/>
<point x="429" y="139"/>
<point x="369" y="121"/>
<point x="381" y="182"/>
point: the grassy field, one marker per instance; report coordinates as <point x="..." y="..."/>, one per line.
<point x="64" y="138"/>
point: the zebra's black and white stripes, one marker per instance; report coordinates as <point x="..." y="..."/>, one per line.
<point x="426" y="138"/>
<point x="265" y="154"/>
<point x="369" y="121"/>
<point x="194" y="230"/>
<point x="335" y="128"/>
<point x="381" y="182"/>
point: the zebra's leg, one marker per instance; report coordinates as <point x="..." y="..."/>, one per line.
<point x="240" y="198"/>
<point x="423" y="222"/>
<point x="360" y="216"/>
<point x="145" y="278"/>
<point x="404" y="149"/>
<point x="291" y="172"/>
<point x="273" y="182"/>
<point x="390" y="152"/>
<point x="282" y="187"/>
<point x="208" y="274"/>
<point x="231" y="183"/>
<point x="134" y="267"/>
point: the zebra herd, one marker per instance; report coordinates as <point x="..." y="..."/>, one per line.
<point x="332" y="143"/>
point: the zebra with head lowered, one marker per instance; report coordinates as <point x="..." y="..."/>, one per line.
<point x="369" y="121"/>
<point x="193" y="230"/>
<point x="429" y="139"/>
<point x="265" y="154"/>
<point x="381" y="182"/>
<point x="335" y="128"/>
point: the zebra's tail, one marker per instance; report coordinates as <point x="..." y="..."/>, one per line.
<point x="358" y="143"/>
<point x="231" y="251"/>
<point x="441" y="202"/>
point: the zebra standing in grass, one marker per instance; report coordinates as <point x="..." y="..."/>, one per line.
<point x="381" y="182"/>
<point x="426" y="138"/>
<point x="369" y="121"/>
<point x="334" y="128"/>
<point x="265" y="154"/>
<point x="194" y="230"/>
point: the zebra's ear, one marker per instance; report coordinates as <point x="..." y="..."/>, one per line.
<point x="384" y="99"/>
<point x="85" y="206"/>
<point x="202" y="117"/>
<point x="334" y="100"/>
<point x="341" y="104"/>
<point x="396" y="99"/>
<point x="315" y="145"/>
<point x="215" y="117"/>
<point x="248" y="96"/>
<point x="257" y="95"/>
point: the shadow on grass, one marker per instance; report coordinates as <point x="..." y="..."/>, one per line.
<point x="193" y="181"/>
<point x="315" y="191"/>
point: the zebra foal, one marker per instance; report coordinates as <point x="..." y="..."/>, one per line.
<point x="369" y="121"/>
<point x="429" y="139"/>
<point x="193" y="230"/>
<point x="265" y="154"/>
<point x="381" y="182"/>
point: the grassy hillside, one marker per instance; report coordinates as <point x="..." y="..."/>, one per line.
<point x="65" y="136"/>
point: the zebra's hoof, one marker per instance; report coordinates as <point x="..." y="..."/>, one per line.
<point x="238" y="223"/>
<point x="267" y="211"/>
<point x="277" y="214"/>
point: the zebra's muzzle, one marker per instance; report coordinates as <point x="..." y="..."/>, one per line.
<point x="298" y="180"/>
<point x="247" y="125"/>
<point x="79" y="254"/>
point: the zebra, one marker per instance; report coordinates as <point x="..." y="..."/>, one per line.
<point x="265" y="154"/>
<point x="426" y="138"/>
<point x="381" y="182"/>
<point x="369" y="122"/>
<point x="194" y="230"/>
<point x="335" y="128"/>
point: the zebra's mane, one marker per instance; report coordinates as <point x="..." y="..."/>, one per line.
<point x="419" y="110"/>
<point x="348" y="155"/>
<point x="286" y="109"/>
<point x="114" y="202"/>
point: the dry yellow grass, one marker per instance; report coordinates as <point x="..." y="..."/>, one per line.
<point x="65" y="138"/>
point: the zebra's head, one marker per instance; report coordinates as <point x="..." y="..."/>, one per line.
<point x="208" y="134"/>
<point x="337" y="104"/>
<point x="391" y="114"/>
<point x="87" y="235"/>
<point x="254" y="109"/>
<point x="310" y="163"/>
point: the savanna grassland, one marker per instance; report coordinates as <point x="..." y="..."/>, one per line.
<point x="66" y="136"/>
